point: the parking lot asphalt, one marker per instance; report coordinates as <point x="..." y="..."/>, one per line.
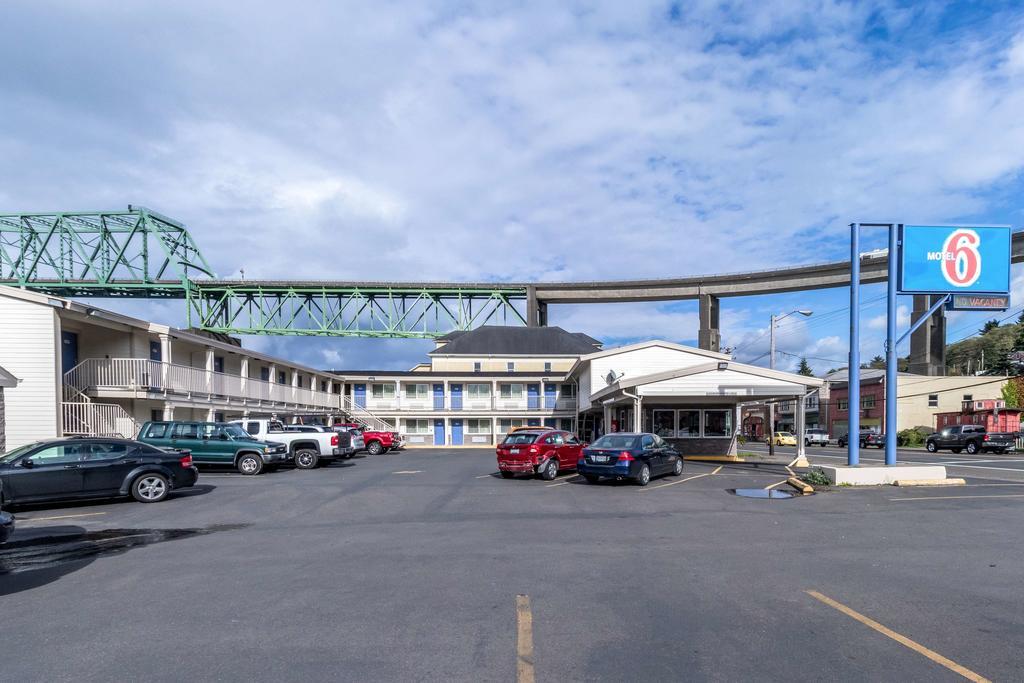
<point x="427" y="566"/>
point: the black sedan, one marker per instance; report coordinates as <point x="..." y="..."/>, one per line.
<point x="629" y="456"/>
<point x="6" y="520"/>
<point x="78" y="468"/>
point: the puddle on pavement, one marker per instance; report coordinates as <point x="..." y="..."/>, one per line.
<point x="772" y="494"/>
<point x="44" y="552"/>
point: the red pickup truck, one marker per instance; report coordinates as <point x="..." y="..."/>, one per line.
<point x="374" y="442"/>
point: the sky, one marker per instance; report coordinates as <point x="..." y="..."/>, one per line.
<point x="524" y="141"/>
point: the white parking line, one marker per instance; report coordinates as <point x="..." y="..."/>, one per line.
<point x="996" y="495"/>
<point x="567" y="479"/>
<point x="47" y="519"/>
<point x="408" y="472"/>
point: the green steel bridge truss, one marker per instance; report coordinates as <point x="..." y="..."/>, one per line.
<point x="139" y="253"/>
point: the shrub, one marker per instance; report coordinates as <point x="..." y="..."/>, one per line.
<point x="816" y="477"/>
<point x="913" y="437"/>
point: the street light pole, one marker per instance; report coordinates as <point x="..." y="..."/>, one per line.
<point x="770" y="427"/>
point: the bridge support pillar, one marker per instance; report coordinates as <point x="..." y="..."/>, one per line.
<point x="536" y="311"/>
<point x="928" y="343"/>
<point x="708" y="337"/>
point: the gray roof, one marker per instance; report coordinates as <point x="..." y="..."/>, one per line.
<point x="7" y="380"/>
<point x="522" y="341"/>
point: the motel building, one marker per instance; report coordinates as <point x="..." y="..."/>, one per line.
<point x="480" y="384"/>
<point x="83" y="370"/>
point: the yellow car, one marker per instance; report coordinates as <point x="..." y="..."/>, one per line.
<point x="784" y="439"/>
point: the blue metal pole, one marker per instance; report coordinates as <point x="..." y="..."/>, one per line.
<point x="890" y="351"/>
<point x="853" y="371"/>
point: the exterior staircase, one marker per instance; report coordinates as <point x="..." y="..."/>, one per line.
<point x="357" y="413"/>
<point x="81" y="416"/>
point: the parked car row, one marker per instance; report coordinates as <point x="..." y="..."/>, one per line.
<point x="545" y="452"/>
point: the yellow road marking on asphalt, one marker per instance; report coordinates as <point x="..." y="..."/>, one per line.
<point x="901" y="639"/>
<point x="524" y="640"/>
<point x="995" y="495"/>
<point x="567" y="479"/>
<point x="778" y="483"/>
<point x="408" y="472"/>
<point x="47" y="519"/>
<point x="790" y="470"/>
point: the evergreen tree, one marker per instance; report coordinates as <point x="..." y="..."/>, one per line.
<point x="876" y="363"/>
<point x="805" y="369"/>
<point x="989" y="325"/>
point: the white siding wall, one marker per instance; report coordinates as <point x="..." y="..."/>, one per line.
<point x="29" y="349"/>
<point x="645" y="361"/>
<point x="727" y="383"/>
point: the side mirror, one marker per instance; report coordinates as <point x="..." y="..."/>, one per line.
<point x="27" y="463"/>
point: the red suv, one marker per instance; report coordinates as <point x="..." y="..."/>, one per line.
<point x="538" y="451"/>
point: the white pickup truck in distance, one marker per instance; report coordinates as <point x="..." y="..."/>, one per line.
<point x="308" y="449"/>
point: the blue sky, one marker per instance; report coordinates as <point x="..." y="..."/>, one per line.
<point x="536" y="140"/>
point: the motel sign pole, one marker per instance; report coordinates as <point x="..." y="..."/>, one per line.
<point x="853" y="371"/>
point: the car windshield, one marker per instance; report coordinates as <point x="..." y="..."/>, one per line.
<point x="785" y="434"/>
<point x="236" y="432"/>
<point x="516" y="439"/>
<point x="11" y="455"/>
<point x="615" y="441"/>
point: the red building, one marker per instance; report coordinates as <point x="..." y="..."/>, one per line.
<point x="992" y="414"/>
<point x="872" y="404"/>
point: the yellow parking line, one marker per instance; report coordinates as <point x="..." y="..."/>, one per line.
<point x="996" y="495"/>
<point x="47" y="519"/>
<point x="901" y="639"/>
<point x="778" y="483"/>
<point x="524" y="640"/>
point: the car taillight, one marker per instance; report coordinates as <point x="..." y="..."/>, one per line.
<point x="625" y="456"/>
<point x="533" y="449"/>
<point x="334" y="439"/>
<point x="986" y="437"/>
<point x="186" y="461"/>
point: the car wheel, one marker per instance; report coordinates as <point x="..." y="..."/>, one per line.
<point x="972" y="447"/>
<point x="250" y="463"/>
<point x="507" y="475"/>
<point x="643" y="477"/>
<point x="677" y="469"/>
<point x="306" y="458"/>
<point x="550" y="470"/>
<point x="931" y="447"/>
<point x="591" y="478"/>
<point x="150" y="488"/>
<point x="374" y="448"/>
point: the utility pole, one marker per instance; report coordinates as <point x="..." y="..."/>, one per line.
<point x="770" y="427"/>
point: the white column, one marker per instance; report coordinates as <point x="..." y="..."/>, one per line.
<point x="210" y="417"/>
<point x="447" y="432"/>
<point x="165" y="357"/>
<point x="494" y="431"/>
<point x="209" y="369"/>
<point x="398" y="395"/>
<point x="446" y="403"/>
<point x="295" y="386"/>
<point x="244" y="373"/>
<point x="801" y="454"/>
<point x="168" y="411"/>
<point x="494" y="394"/>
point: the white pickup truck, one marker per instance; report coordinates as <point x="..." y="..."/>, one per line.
<point x="308" y="449"/>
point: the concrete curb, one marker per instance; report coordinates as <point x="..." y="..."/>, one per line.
<point x="930" y="482"/>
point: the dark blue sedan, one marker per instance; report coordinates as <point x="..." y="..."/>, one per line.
<point x="636" y="456"/>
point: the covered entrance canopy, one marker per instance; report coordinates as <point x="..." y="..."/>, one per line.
<point x="697" y="407"/>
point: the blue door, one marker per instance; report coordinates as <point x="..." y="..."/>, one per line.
<point x="456" y="390"/>
<point x="438" y="432"/>
<point x="456" y="432"/>
<point x="68" y="350"/>
<point x="549" y="396"/>
<point x="533" y="422"/>
<point x="532" y="396"/>
<point x="359" y="392"/>
<point x="155" y="352"/>
<point x="549" y="422"/>
<point x="439" y="397"/>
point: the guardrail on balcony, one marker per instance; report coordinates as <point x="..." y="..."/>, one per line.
<point x="97" y="419"/>
<point x="148" y="375"/>
<point x="518" y="404"/>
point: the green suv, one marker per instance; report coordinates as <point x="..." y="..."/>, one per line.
<point x="216" y="443"/>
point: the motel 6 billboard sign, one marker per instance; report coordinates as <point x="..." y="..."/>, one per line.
<point x="948" y="259"/>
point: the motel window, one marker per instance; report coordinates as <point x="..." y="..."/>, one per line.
<point x="717" y="423"/>
<point x="511" y="390"/>
<point x="417" y="427"/>
<point x="383" y="391"/>
<point x="785" y="407"/>
<point x="298" y="381"/>
<point x="505" y="424"/>
<point x="933" y="400"/>
<point x="843" y="404"/>
<point x="477" y="366"/>
<point x="415" y="391"/>
<point x="568" y="390"/>
<point x="478" y="391"/>
<point x="664" y="423"/>
<point x="547" y="366"/>
<point x="323" y="386"/>
<point x="478" y="426"/>
<point x="265" y="374"/>
<point x="282" y="378"/>
<point x="968" y="397"/>
<point x="867" y="402"/>
<point x="511" y="366"/>
<point x="689" y="424"/>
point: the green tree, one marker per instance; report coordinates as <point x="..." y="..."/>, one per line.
<point x="805" y="369"/>
<point x="876" y="363"/>
<point x="989" y="325"/>
<point x="1011" y="392"/>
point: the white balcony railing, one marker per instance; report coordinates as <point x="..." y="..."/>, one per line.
<point x="97" y="419"/>
<point x="140" y="374"/>
<point x="517" y="404"/>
